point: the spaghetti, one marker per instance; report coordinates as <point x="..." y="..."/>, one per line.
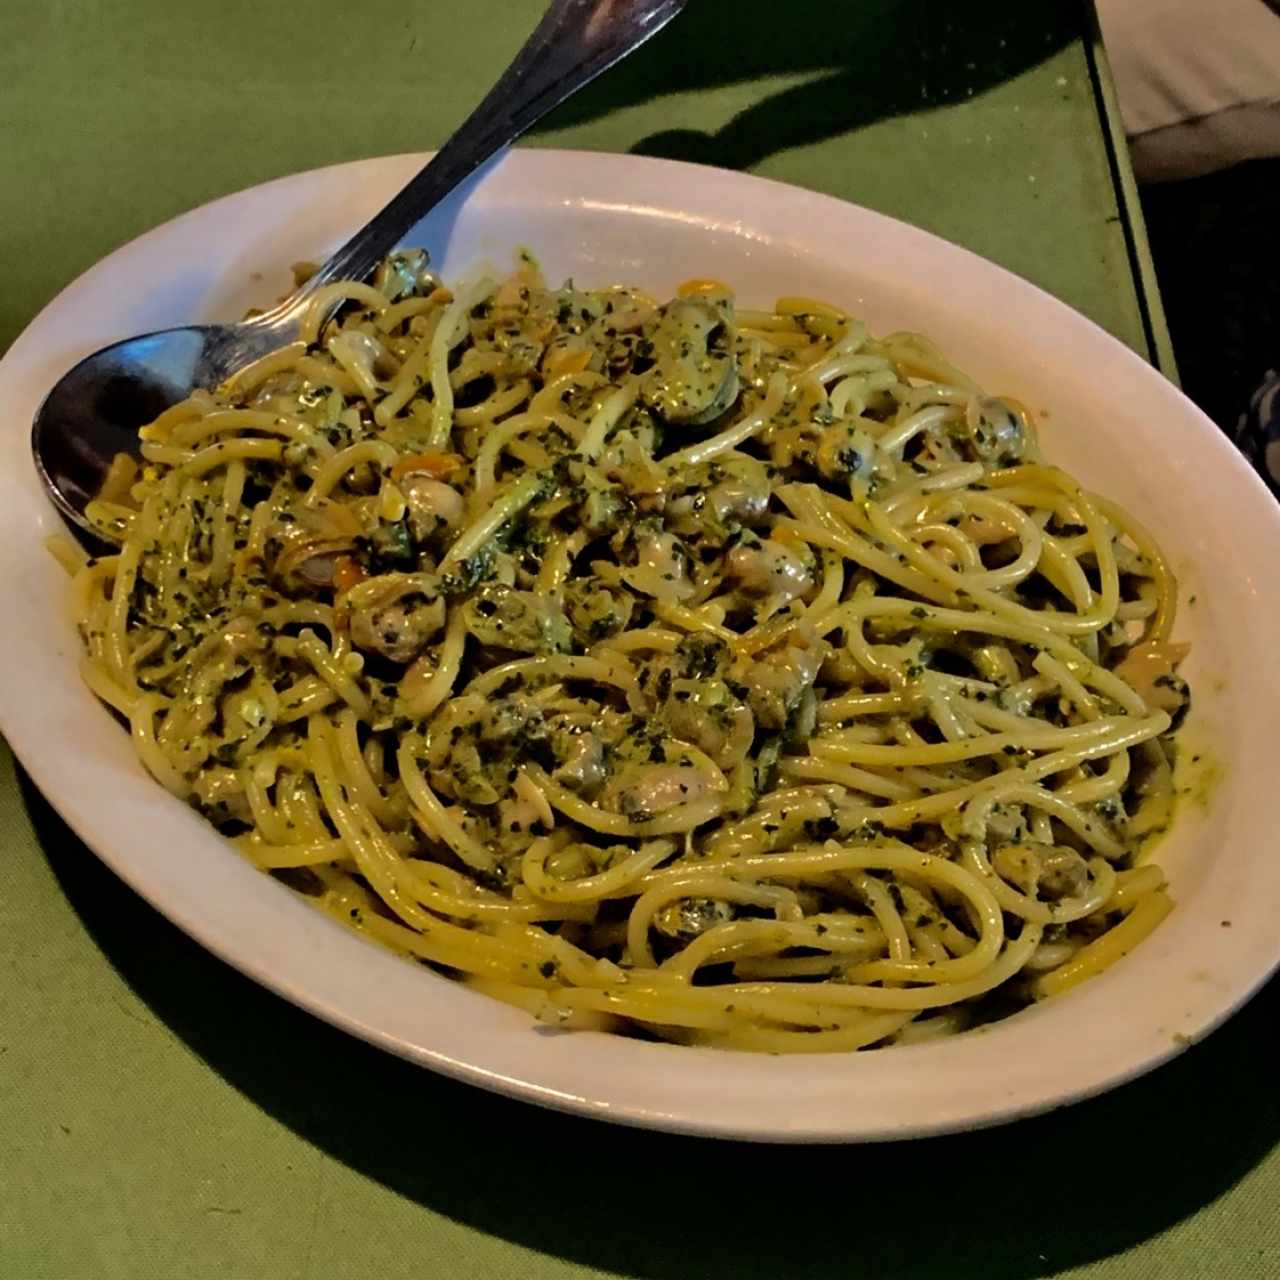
<point x="726" y="676"/>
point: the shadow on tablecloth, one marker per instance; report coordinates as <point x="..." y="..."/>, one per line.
<point x="1007" y="1204"/>
<point x="841" y="67"/>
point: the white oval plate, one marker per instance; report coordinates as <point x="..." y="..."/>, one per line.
<point x="603" y="219"/>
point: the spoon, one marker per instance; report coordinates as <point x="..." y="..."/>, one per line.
<point x="94" y="411"/>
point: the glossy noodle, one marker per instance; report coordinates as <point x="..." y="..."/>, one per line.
<point x="726" y="676"/>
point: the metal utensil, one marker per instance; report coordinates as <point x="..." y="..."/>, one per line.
<point x="94" y="411"/>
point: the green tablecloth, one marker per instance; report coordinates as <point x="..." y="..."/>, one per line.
<point x="160" y="1116"/>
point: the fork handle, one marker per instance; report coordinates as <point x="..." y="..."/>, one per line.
<point x="574" y="42"/>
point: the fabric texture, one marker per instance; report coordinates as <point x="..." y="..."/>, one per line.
<point x="164" y="1118"/>
<point x="1198" y="81"/>
<point x="1258" y="432"/>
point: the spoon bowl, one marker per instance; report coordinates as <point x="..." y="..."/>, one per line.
<point x="93" y="412"/>
<point x="95" y="409"/>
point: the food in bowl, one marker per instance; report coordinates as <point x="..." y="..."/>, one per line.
<point x="727" y="676"/>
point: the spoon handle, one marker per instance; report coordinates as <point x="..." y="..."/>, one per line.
<point x="575" y="41"/>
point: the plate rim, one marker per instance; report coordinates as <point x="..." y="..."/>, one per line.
<point x="643" y="1116"/>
